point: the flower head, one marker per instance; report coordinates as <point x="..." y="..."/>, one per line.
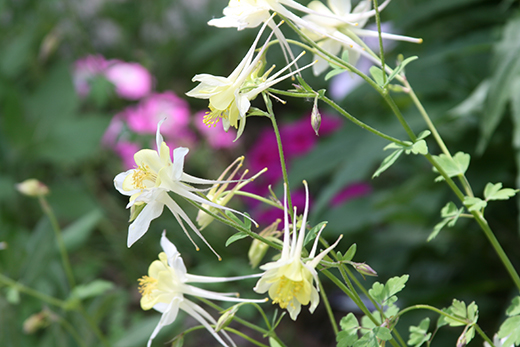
<point x="167" y="284"/>
<point x="290" y="279"/>
<point x="132" y="80"/>
<point x="150" y="182"/>
<point x="229" y="97"/>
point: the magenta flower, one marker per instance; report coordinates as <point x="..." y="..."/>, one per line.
<point x="132" y="80"/>
<point x="352" y="191"/>
<point x="264" y="153"/>
<point x="126" y="151"/>
<point x="85" y="69"/>
<point x="143" y="117"/>
<point x="329" y="123"/>
<point x="217" y="137"/>
<point x="114" y="130"/>
<point x="297" y="138"/>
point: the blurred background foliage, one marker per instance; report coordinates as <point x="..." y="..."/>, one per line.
<point x="48" y="132"/>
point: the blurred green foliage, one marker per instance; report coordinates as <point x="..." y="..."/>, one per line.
<point x="48" y="132"/>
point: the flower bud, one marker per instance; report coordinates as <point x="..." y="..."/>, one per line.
<point x="226" y="318"/>
<point x="3" y="245"/>
<point x="364" y="269"/>
<point x="258" y="249"/>
<point x="36" y="322"/>
<point x="315" y="117"/>
<point x="32" y="187"/>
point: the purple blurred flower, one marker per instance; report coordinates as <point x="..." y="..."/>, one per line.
<point x="115" y="128"/>
<point x="264" y="153"/>
<point x="132" y="80"/>
<point x="143" y="117"/>
<point x="329" y="123"/>
<point x="351" y="191"/>
<point x="126" y="151"/>
<point x="85" y="69"/>
<point x="297" y="138"/>
<point x="216" y="136"/>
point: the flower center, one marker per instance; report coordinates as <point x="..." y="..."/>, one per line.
<point x="141" y="174"/>
<point x="212" y="117"/>
<point x="287" y="289"/>
<point x="147" y="285"/>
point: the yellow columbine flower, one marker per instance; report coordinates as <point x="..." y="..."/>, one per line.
<point x="290" y="279"/>
<point x="229" y="97"/>
<point x="167" y="284"/>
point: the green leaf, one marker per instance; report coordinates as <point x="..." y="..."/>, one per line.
<point x="384" y="294"/>
<point x="387" y="162"/>
<point x="312" y="233"/>
<point x="495" y="192"/>
<point x="452" y="166"/>
<point x="510" y="329"/>
<point x="333" y="72"/>
<point x="92" y="289"/>
<point x="474" y="204"/>
<point x="273" y="342"/>
<point x="345" y="55"/>
<point x="349" y="334"/>
<point x="235" y="237"/>
<point x="400" y="68"/>
<point x="423" y="134"/>
<point x="349" y="254"/>
<point x="377" y="75"/>
<point x="383" y="333"/>
<point x="420" y="147"/>
<point x="459" y="310"/>
<point x="349" y="322"/>
<point x="514" y="308"/>
<point x="451" y="214"/>
<point x="419" y="334"/>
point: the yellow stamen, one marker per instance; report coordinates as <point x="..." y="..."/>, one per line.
<point x="212" y="117"/>
<point x="141" y="174"/>
<point x="147" y="285"/>
<point x="287" y="290"/>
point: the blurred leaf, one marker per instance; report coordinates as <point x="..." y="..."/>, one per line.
<point x="139" y="332"/>
<point x="506" y="68"/>
<point x="451" y="214"/>
<point x="495" y="192"/>
<point x="377" y="75"/>
<point x="456" y="165"/>
<point x="474" y="204"/>
<point x="349" y="254"/>
<point x="12" y="296"/>
<point x="311" y="235"/>
<point x="274" y="343"/>
<point x="92" y="289"/>
<point x="383" y="333"/>
<point x="348" y="335"/>
<point x="389" y="161"/>
<point x="400" y="68"/>
<point x="76" y="234"/>
<point x="514" y="308"/>
<point x="383" y="293"/>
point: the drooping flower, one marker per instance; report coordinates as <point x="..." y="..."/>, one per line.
<point x="290" y="279"/>
<point x="148" y="186"/>
<point x="132" y="80"/>
<point x="333" y="35"/>
<point x="220" y="195"/>
<point x="167" y="285"/>
<point x="229" y="97"/>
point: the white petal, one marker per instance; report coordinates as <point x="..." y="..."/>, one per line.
<point x="141" y="224"/>
<point x="201" y="316"/>
<point x="209" y="279"/>
<point x="178" y="162"/>
<point x="118" y="183"/>
<point x="167" y="318"/>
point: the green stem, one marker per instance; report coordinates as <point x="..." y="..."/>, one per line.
<point x="498" y="248"/>
<point x="445" y="314"/>
<point x="280" y="149"/>
<point x="34" y="293"/>
<point x="328" y="308"/>
<point x="70" y="329"/>
<point x="244" y="336"/>
<point x="381" y="53"/>
<point x="259" y="198"/>
<point x="59" y="239"/>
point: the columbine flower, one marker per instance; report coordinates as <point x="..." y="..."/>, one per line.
<point x="334" y="34"/>
<point x="218" y="193"/>
<point x="290" y="279"/>
<point x="166" y="285"/>
<point x="229" y="97"/>
<point x="148" y="186"/>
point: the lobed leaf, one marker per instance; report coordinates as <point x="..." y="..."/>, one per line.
<point x="495" y="192"/>
<point x="419" y="334"/>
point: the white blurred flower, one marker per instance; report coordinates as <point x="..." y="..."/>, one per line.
<point x="167" y="284"/>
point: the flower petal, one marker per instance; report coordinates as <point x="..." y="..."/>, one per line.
<point x="141" y="224"/>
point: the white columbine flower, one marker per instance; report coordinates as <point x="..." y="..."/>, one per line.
<point x="167" y="284"/>
<point x="290" y="279"/>
<point x="229" y="97"/>
<point x="333" y="34"/>
<point x="148" y="186"/>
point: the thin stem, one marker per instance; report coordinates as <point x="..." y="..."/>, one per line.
<point x="498" y="248"/>
<point x="244" y="336"/>
<point x="70" y="329"/>
<point x="381" y="53"/>
<point x="280" y="148"/>
<point x="328" y="308"/>
<point x="34" y="293"/>
<point x="259" y="198"/>
<point x="59" y="239"/>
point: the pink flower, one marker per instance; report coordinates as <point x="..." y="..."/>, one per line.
<point x="126" y="151"/>
<point x="217" y="137"/>
<point x="297" y="138"/>
<point x="85" y="69"/>
<point x="132" y="80"/>
<point x="264" y="153"/>
<point x="111" y="135"/>
<point x="143" y="117"/>
<point x="351" y="191"/>
<point x="329" y="123"/>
